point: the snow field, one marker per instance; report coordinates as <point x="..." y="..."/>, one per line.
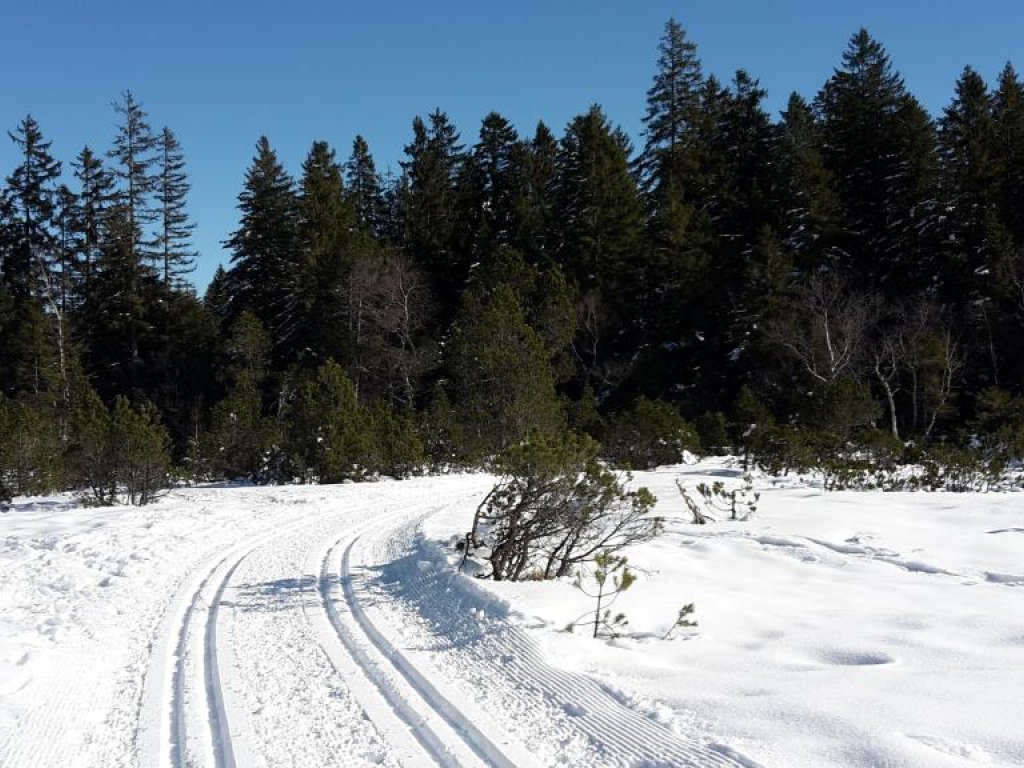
<point x="313" y="626"/>
<point x="840" y="629"/>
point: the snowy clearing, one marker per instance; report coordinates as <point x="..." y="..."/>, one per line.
<point x="314" y="626"/>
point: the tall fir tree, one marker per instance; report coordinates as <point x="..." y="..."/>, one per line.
<point x="1008" y="115"/>
<point x="96" y="196"/>
<point x="173" y="245"/>
<point x="487" y="188"/>
<point x="533" y="229"/>
<point x="329" y="241"/>
<point x="32" y="191"/>
<point x="266" y="253"/>
<point x="428" y="203"/>
<point x="134" y="153"/>
<point x="30" y="361"/>
<point x="880" y="148"/>
<point x="673" y="104"/>
<point x="363" y="186"/>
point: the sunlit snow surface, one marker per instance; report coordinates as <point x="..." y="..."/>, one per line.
<point x="847" y="629"/>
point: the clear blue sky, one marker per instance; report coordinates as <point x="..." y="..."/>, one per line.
<point x="222" y="72"/>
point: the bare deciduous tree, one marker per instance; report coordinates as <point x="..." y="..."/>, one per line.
<point x="390" y="307"/>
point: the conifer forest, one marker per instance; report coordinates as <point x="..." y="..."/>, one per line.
<point x="840" y="283"/>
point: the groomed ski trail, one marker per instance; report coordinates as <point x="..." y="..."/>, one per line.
<point x="303" y="646"/>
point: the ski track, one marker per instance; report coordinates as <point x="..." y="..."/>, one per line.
<point x="501" y="667"/>
<point x="315" y="628"/>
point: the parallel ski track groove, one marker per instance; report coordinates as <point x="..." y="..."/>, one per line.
<point x="629" y="733"/>
<point x="484" y="748"/>
<point x="417" y="726"/>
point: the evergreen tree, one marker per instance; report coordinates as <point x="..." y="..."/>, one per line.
<point x="533" y="230"/>
<point x="363" y="185"/>
<point x="32" y="191"/>
<point x="134" y="153"/>
<point x="673" y="104"/>
<point x="30" y="362"/>
<point x="1008" y="116"/>
<point x="174" y="232"/>
<point x="117" y="321"/>
<point x="880" y="148"/>
<point x="487" y="188"/>
<point x="428" y="202"/>
<point x="502" y="383"/>
<point x="599" y="207"/>
<point x="327" y="232"/>
<point x="331" y="434"/>
<point x="266" y="258"/>
<point x="602" y="248"/>
<point x="95" y="198"/>
<point x="811" y="210"/>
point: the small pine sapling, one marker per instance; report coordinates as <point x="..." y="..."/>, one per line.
<point x="739" y="503"/>
<point x="682" y="620"/>
<point x="612" y="577"/>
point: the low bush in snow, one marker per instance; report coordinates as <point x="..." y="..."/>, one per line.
<point x="554" y="507"/>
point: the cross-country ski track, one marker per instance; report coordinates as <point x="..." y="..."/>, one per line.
<point x="302" y="644"/>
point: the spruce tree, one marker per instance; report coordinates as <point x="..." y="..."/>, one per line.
<point x="601" y="248"/>
<point x="174" y="229"/>
<point x="811" y="210"/>
<point x="363" y="186"/>
<point x="32" y="191"/>
<point x="487" y="187"/>
<point x="599" y="207"/>
<point x="134" y="153"/>
<point x="327" y="232"/>
<point x="1008" y="116"/>
<point x="533" y="229"/>
<point x="428" y="203"/>
<point x="95" y="198"/>
<point x="35" y="357"/>
<point x="266" y="258"/>
<point x="880" y="148"/>
<point x="673" y="103"/>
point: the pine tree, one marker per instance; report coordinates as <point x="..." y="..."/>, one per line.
<point x="487" y="187"/>
<point x="363" y="185"/>
<point x="173" y="243"/>
<point x="135" y="153"/>
<point x="502" y="383"/>
<point x="880" y="148"/>
<point x="811" y="210"/>
<point x="533" y="230"/>
<point x="428" y="203"/>
<point x="673" y="103"/>
<point x="95" y="198"/>
<point x="32" y="190"/>
<point x="327" y="232"/>
<point x="266" y="257"/>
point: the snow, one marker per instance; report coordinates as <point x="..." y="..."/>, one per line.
<point x="327" y="625"/>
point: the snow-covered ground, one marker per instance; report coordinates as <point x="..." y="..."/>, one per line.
<point x="315" y="626"/>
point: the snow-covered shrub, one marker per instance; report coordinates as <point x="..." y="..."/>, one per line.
<point x="556" y="506"/>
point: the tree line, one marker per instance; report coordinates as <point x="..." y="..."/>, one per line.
<point x="848" y="275"/>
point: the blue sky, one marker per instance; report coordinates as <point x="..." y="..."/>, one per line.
<point x="222" y="72"/>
